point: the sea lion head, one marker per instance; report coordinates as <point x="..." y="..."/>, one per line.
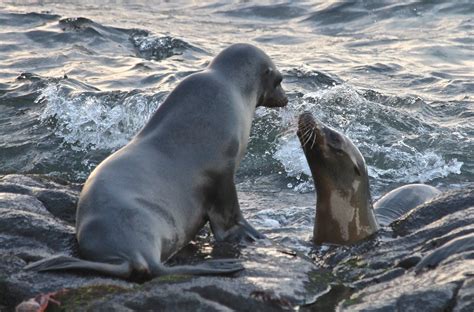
<point x="329" y="152"/>
<point x="254" y="72"/>
<point x="344" y="208"/>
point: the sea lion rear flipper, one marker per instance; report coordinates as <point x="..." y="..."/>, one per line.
<point x="71" y="263"/>
<point x="124" y="270"/>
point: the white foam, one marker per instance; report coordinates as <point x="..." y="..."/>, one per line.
<point x="345" y="109"/>
<point x="290" y="154"/>
<point x="88" y="121"/>
<point x="268" y="223"/>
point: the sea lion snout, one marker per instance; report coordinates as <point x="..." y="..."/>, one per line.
<point x="306" y="120"/>
<point x="275" y="97"/>
<point x="309" y="130"/>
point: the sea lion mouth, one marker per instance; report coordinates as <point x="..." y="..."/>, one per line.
<point x="309" y="131"/>
<point x="275" y="100"/>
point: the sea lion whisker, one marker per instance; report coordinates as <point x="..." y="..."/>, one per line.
<point x="306" y="125"/>
<point x="308" y="129"/>
<point x="304" y="128"/>
<point x="304" y="136"/>
<point x="308" y="138"/>
<point x="314" y="140"/>
<point x="301" y="130"/>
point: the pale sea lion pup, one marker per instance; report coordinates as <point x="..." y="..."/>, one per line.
<point x="344" y="211"/>
<point x="150" y="198"/>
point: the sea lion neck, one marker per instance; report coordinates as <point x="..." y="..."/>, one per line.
<point x="344" y="212"/>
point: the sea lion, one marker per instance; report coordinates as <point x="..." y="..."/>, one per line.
<point x="149" y="199"/>
<point x="402" y="199"/>
<point x="344" y="211"/>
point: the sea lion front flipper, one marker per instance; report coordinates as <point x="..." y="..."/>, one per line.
<point x="225" y="217"/>
<point x="243" y="231"/>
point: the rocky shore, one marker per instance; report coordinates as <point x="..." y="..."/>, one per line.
<point x="423" y="261"/>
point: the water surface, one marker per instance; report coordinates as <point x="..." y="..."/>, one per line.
<point x="77" y="81"/>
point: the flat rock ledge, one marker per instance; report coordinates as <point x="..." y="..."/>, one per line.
<point x="423" y="262"/>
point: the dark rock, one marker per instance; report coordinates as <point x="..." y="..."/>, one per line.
<point x="52" y="232"/>
<point x="61" y="203"/>
<point x="456" y="247"/>
<point x="465" y="297"/>
<point x="446" y="204"/>
<point x="19" y="202"/>
<point x="426" y="266"/>
<point x="389" y="275"/>
<point x="431" y="292"/>
<point x="437" y="256"/>
<point x="409" y="262"/>
<point x="6" y="187"/>
<point x="22" y="180"/>
<point x="30" y="230"/>
<point x="180" y="297"/>
<point x="58" y="197"/>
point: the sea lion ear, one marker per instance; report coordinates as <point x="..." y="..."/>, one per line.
<point x="357" y="171"/>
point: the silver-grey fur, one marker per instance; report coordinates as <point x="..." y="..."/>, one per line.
<point x="150" y="198"/>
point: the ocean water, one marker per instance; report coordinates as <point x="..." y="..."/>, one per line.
<point x="78" y="80"/>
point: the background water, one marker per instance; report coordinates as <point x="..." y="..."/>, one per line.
<point x="77" y="81"/>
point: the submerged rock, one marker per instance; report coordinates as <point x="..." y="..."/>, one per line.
<point x="424" y="261"/>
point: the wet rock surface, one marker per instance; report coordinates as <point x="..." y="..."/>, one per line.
<point x="32" y="228"/>
<point x="425" y="260"/>
<point x="426" y="267"/>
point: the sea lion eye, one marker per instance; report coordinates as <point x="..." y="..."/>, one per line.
<point x="335" y="141"/>
<point x="336" y="149"/>
<point x="334" y="137"/>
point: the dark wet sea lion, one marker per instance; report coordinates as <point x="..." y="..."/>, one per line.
<point x="150" y="198"/>
<point x="389" y="206"/>
<point x="344" y="211"/>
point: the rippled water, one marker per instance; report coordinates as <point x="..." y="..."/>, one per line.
<point x="78" y="81"/>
